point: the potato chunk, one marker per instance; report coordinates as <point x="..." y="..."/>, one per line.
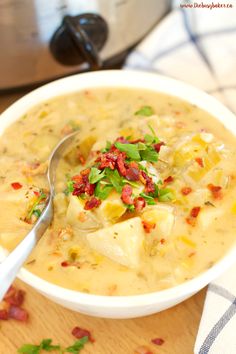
<point x="208" y="215"/>
<point x="79" y="218"/>
<point x="162" y="216"/>
<point x="111" y="209"/>
<point x="121" y="242"/>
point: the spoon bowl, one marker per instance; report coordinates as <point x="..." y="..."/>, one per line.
<point x="12" y="263"/>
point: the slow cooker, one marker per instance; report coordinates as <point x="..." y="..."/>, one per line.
<point x="41" y="40"/>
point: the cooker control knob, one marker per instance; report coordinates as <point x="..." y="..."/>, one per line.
<point x="79" y="39"/>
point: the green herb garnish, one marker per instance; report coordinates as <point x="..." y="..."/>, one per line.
<point x="103" y="192"/>
<point x="149" y="199"/>
<point x="95" y="175"/>
<point x="46" y="345"/>
<point x="77" y="346"/>
<point x="36" y="349"/>
<point x="130" y="207"/>
<point x="69" y="187"/>
<point x="131" y="150"/>
<point x="149" y="154"/>
<point x="35" y="205"/>
<point x="115" y="179"/>
<point x="165" y="195"/>
<point x="145" y="111"/>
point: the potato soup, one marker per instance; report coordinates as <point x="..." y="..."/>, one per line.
<point x="145" y="195"/>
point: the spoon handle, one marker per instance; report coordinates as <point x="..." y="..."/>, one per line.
<point x="10" y="266"/>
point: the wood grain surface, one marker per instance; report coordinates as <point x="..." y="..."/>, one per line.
<point x="177" y="326"/>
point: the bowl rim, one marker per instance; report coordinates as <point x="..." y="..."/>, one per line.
<point x="136" y="80"/>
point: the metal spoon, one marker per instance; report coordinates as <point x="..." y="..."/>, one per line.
<point x="12" y="263"/>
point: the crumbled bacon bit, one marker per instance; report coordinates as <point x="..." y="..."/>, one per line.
<point x="18" y="313"/>
<point x="216" y="191"/>
<point x="195" y="211"/>
<point x="142" y="350"/>
<point x="77" y="178"/>
<point x="126" y="195"/>
<point x="11" y="305"/>
<point x="191" y="220"/>
<point x="92" y="203"/>
<point x="79" y="333"/>
<point x="14" y="297"/>
<point x="168" y="180"/>
<point x="82" y="184"/>
<point x="162" y="241"/>
<point x="158" y="146"/>
<point x="158" y="341"/>
<point x="139" y="203"/>
<point x="186" y="190"/>
<point x="199" y="160"/>
<point x="89" y="188"/>
<point x="107" y="160"/>
<point x="36" y="193"/>
<point x="147" y="181"/>
<point x="148" y="226"/>
<point x="16" y="185"/>
<point x="85" y="172"/>
<point x="132" y="174"/>
<point x="121" y="164"/>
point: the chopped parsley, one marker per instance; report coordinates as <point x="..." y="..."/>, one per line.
<point x="149" y="199"/>
<point x="131" y="150"/>
<point x="103" y="191"/>
<point x="165" y="195"/>
<point x="115" y="179"/>
<point x="36" y="349"/>
<point x="77" y="346"/>
<point x="69" y="187"/>
<point x="95" y="175"/>
<point x="36" y="208"/>
<point x="46" y="346"/>
<point x="145" y="111"/>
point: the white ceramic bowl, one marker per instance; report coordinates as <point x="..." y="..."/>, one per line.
<point x="123" y="306"/>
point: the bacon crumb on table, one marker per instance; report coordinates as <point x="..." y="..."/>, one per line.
<point x="158" y="341"/>
<point x="11" y="305"/>
<point x="79" y="333"/>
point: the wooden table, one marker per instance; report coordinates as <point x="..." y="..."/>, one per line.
<point x="177" y="326"/>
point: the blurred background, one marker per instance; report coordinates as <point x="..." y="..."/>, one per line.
<point x="44" y="40"/>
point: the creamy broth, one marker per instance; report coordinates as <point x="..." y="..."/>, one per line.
<point x="116" y="248"/>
